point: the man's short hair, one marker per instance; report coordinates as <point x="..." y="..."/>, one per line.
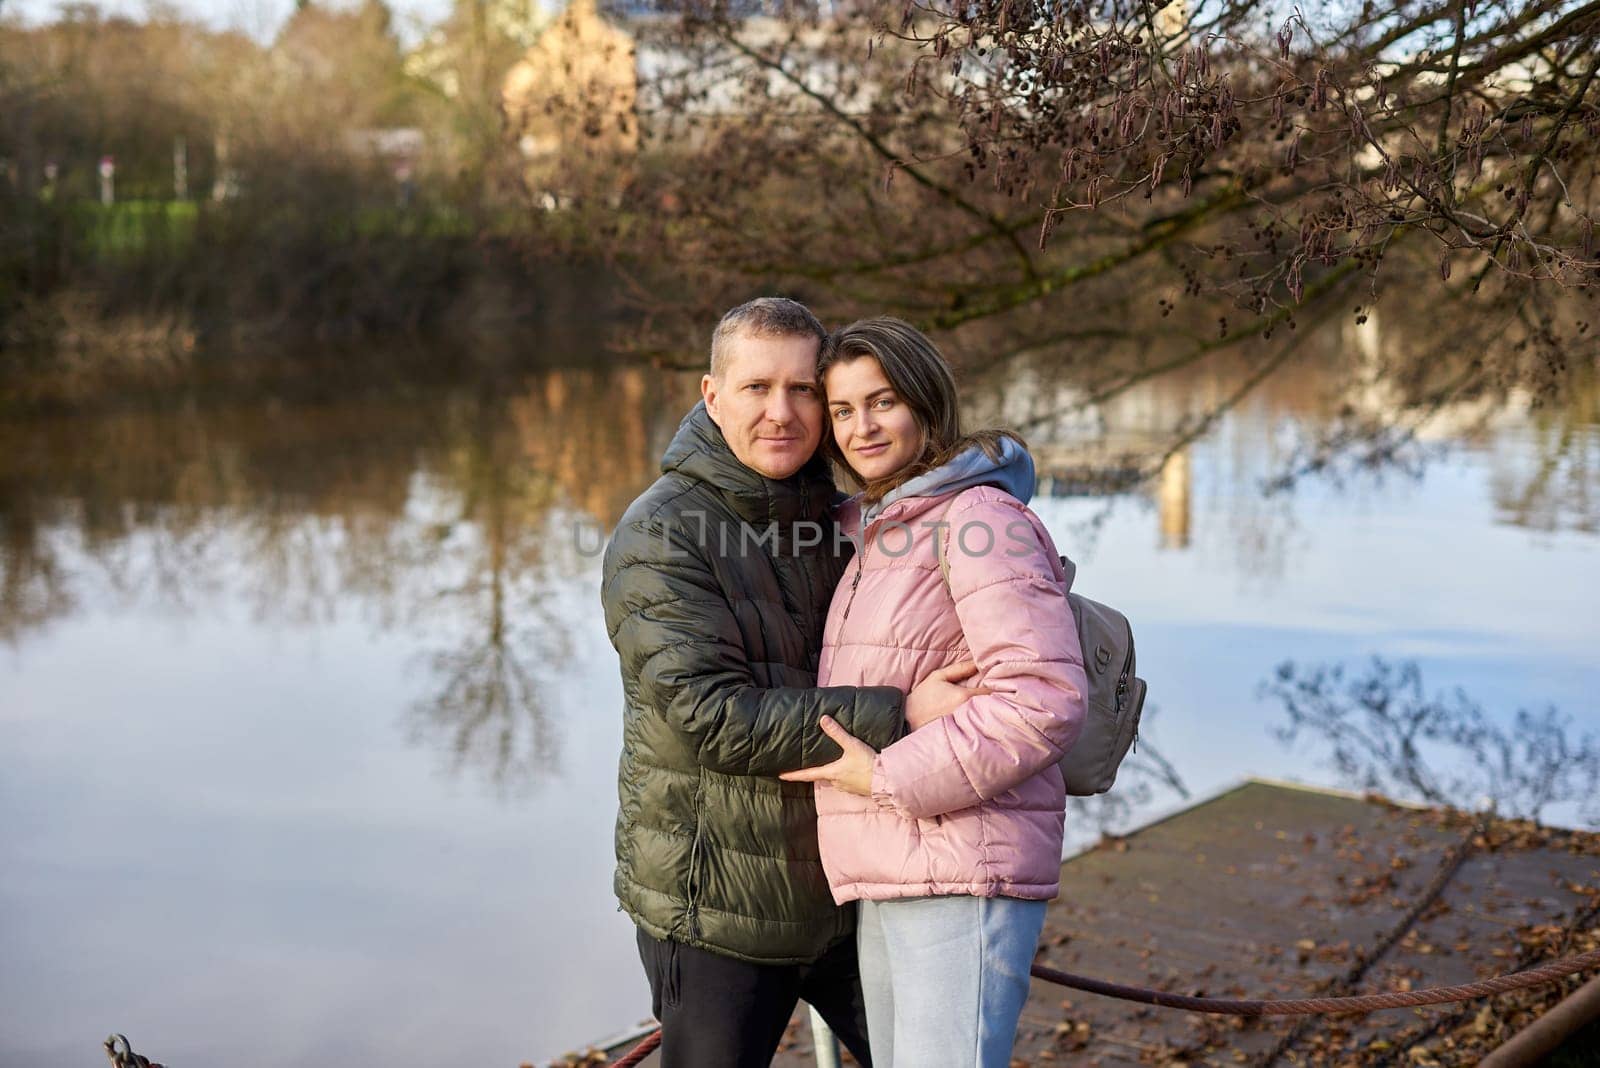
<point x="762" y="317"/>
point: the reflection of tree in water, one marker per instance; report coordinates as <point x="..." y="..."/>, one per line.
<point x="426" y="508"/>
<point x="34" y="586"/>
<point x="523" y="469"/>
<point x="72" y="494"/>
<point x="1385" y="734"/>
<point x="444" y="511"/>
<point x="1558" y="487"/>
<point x="488" y="701"/>
<point x="1134" y="443"/>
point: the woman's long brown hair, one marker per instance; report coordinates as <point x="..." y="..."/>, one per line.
<point x="922" y="379"/>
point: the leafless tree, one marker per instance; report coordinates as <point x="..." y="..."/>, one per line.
<point x="1134" y="185"/>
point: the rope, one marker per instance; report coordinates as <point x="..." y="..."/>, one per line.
<point x="1580" y="921"/>
<point x="1346" y="984"/>
<point x="1394" y="999"/>
<point x="639" y="1052"/>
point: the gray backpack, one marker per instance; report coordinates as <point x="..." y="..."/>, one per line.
<point x="1115" y="697"/>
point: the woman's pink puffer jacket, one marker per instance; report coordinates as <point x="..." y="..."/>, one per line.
<point x="972" y="803"/>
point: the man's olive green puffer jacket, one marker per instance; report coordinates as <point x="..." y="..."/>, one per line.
<point x="718" y="629"/>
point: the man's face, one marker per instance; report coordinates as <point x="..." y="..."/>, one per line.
<point x="768" y="402"/>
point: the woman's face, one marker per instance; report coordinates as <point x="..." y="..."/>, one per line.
<point x="874" y="429"/>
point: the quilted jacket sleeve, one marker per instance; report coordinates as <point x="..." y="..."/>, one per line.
<point x="683" y="659"/>
<point x="1016" y="620"/>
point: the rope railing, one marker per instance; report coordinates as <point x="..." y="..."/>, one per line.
<point x="1393" y="999"/>
<point x="638" y="1053"/>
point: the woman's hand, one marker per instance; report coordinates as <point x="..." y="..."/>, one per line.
<point x="938" y="695"/>
<point x="851" y="772"/>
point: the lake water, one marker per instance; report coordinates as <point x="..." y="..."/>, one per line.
<point x="309" y="723"/>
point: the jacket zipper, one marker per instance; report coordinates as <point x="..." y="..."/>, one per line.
<point x="805" y="573"/>
<point x="860" y="567"/>
<point x="693" y="911"/>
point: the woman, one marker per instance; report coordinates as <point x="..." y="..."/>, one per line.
<point x="951" y="837"/>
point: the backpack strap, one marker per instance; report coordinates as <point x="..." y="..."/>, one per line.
<point x="1069" y="569"/>
<point x="940" y="552"/>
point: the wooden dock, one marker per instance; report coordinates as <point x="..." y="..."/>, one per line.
<point x="1271" y="890"/>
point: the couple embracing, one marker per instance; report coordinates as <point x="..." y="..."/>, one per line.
<point x="843" y="716"/>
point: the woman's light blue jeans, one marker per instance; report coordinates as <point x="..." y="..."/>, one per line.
<point x="944" y="978"/>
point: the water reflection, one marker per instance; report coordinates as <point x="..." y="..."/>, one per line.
<point x="350" y="592"/>
<point x="452" y="514"/>
<point x="1551" y="484"/>
<point x="528" y="474"/>
<point x="456" y="514"/>
<point x="33" y="590"/>
<point x="1338" y="413"/>
<point x="1383" y="731"/>
<point x="484" y="696"/>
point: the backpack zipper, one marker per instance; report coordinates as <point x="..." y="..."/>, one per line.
<point x="1122" y="692"/>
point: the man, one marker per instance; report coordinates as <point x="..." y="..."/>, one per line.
<point x="716" y="587"/>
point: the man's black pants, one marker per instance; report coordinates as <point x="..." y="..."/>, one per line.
<point x="718" y="1012"/>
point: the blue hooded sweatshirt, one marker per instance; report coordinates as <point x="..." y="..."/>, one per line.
<point x="1013" y="472"/>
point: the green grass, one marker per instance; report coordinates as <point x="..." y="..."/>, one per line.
<point x="133" y="227"/>
<point x="431" y="221"/>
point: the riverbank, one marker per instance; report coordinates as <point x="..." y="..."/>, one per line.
<point x="88" y="345"/>
<point x="149" y="282"/>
